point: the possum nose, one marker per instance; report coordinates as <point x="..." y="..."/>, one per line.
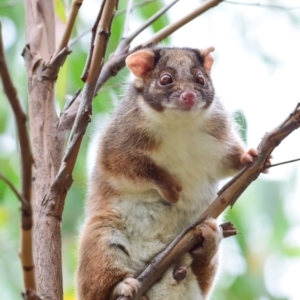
<point x="188" y="98"/>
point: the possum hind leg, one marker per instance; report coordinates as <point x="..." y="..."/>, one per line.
<point x="103" y="259"/>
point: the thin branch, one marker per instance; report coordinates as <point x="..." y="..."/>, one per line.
<point x="168" y="30"/>
<point x="90" y="54"/>
<point x="282" y="163"/>
<point x="116" y="63"/>
<point x="15" y="191"/>
<point x="67" y="117"/>
<point x="26" y="253"/>
<point x="21" y="120"/>
<point x="127" y="18"/>
<point x="123" y="11"/>
<point x="226" y="197"/>
<point x="77" y="38"/>
<point x="101" y="41"/>
<point x="125" y="42"/>
<point x="280" y="7"/>
<point x="76" y="4"/>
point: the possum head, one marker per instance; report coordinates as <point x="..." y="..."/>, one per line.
<point x="173" y="78"/>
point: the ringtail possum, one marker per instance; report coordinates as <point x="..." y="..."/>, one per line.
<point x="158" y="165"/>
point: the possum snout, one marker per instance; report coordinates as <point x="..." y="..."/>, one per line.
<point x="187" y="99"/>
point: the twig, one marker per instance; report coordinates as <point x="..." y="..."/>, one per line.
<point x="26" y="254"/>
<point x="127" y="18"/>
<point x="77" y="38"/>
<point x="226" y="196"/>
<point x="168" y="30"/>
<point x="126" y="40"/>
<point x="281" y="163"/>
<point x="263" y="5"/>
<point x="67" y="117"/>
<point x="91" y="51"/>
<point x="15" y="191"/>
<point x="76" y="4"/>
<point x="122" y="11"/>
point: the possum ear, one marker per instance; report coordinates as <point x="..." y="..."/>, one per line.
<point x="208" y="58"/>
<point x="140" y="62"/>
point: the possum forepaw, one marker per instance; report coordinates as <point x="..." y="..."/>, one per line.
<point x="248" y="156"/>
<point x="126" y="288"/>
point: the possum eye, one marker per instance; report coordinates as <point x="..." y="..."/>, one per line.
<point x="165" y="79"/>
<point x="200" y="79"/>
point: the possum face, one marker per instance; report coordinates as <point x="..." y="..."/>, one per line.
<point x="173" y="78"/>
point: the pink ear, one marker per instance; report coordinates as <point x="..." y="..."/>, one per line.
<point x="208" y="58"/>
<point x="140" y="62"/>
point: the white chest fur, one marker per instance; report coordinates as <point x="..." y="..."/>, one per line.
<point x="193" y="157"/>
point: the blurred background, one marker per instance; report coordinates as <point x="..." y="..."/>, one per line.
<point x="256" y="73"/>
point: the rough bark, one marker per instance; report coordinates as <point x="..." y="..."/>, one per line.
<point x="52" y="172"/>
<point x="46" y="142"/>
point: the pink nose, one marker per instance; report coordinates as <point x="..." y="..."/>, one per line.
<point x="188" y="99"/>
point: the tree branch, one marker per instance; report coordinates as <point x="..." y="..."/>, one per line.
<point x="226" y="197"/>
<point x="76" y="4"/>
<point x="117" y="62"/>
<point x="68" y="115"/>
<point x="126" y="40"/>
<point x="91" y="51"/>
<point x="168" y="30"/>
<point x="26" y="254"/>
<point x="52" y="172"/>
<point x="63" y="179"/>
<point x="263" y="5"/>
<point x="126" y="27"/>
<point x="123" y="11"/>
<point x="282" y="163"/>
<point x="14" y="190"/>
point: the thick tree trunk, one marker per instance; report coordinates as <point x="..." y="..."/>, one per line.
<point x="46" y="145"/>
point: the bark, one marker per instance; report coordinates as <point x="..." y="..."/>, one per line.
<point x="52" y="172"/>
<point x="25" y="253"/>
<point x="46" y="142"/>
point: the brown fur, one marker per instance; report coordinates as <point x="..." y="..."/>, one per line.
<point x="96" y="256"/>
<point x="205" y="272"/>
<point x="205" y="257"/>
<point x="136" y="165"/>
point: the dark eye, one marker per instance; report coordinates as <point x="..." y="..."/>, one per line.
<point x="200" y="79"/>
<point x="165" y="79"/>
